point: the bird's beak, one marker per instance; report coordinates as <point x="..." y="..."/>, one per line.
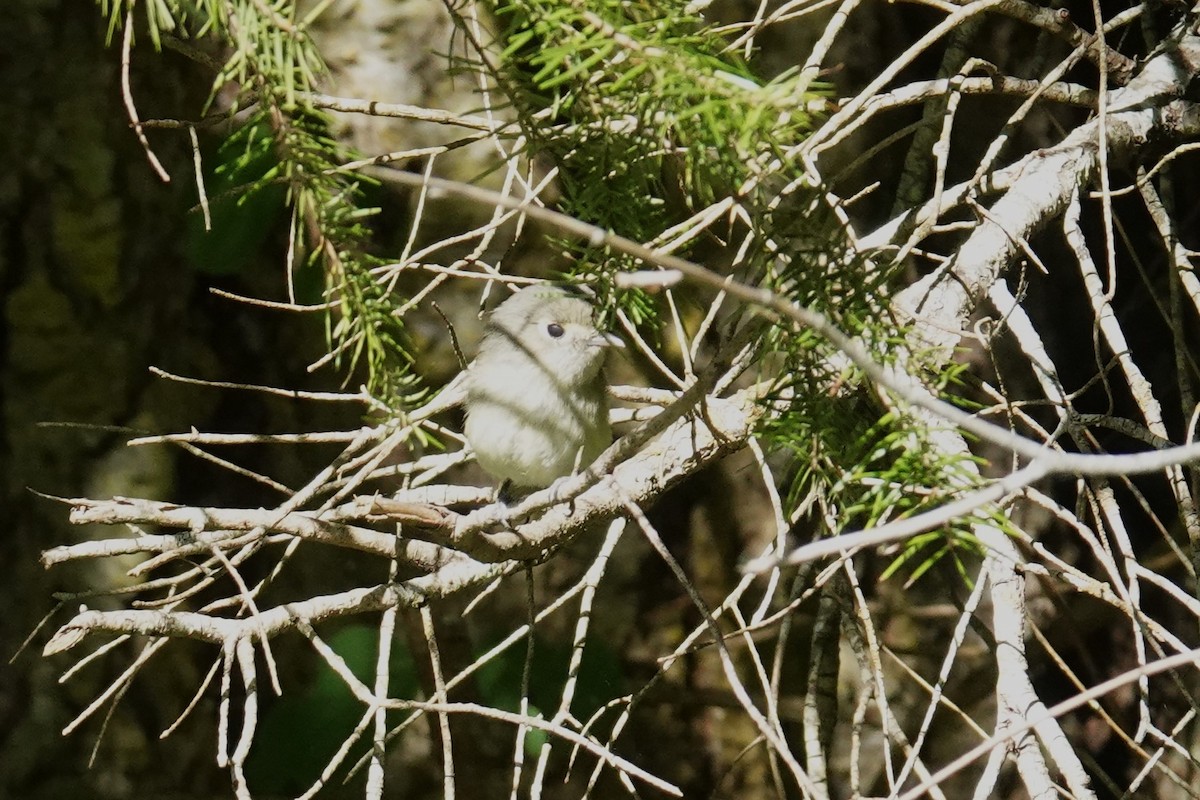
<point x="606" y="340"/>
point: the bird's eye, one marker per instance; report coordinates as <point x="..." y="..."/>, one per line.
<point x="554" y="329"/>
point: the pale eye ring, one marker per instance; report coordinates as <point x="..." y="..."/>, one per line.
<point x="554" y="329"/>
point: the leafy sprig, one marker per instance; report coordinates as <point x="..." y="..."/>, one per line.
<point x="271" y="61"/>
<point x="650" y="118"/>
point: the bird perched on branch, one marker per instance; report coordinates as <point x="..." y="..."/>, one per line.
<point x="536" y="404"/>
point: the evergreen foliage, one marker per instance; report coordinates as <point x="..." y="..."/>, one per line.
<point x="650" y="118"/>
<point x="272" y="61"/>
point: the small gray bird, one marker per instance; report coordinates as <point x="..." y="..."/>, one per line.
<point x="536" y="405"/>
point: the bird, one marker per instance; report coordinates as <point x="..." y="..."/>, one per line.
<point x="536" y="406"/>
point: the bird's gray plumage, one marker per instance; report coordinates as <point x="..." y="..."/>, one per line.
<point x="536" y="406"/>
